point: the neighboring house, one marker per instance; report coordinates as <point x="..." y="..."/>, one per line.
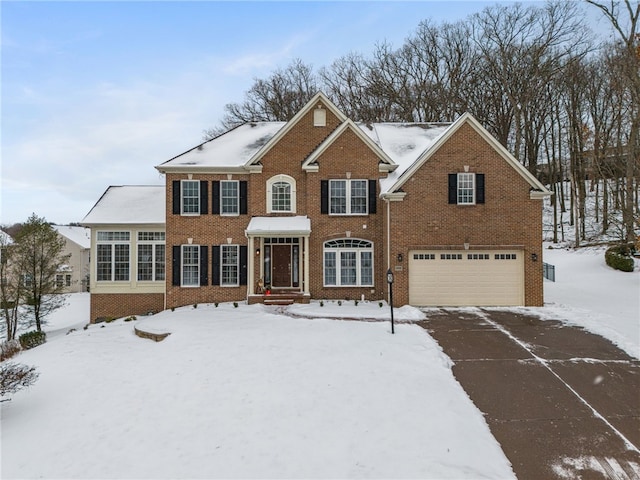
<point x="74" y="275"/>
<point x="5" y="241"/>
<point x="321" y="207"/>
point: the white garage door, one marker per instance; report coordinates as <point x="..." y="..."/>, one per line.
<point x="466" y="278"/>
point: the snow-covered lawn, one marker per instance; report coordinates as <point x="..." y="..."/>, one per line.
<point x="589" y="293"/>
<point x="243" y="392"/>
<point x="248" y="392"/>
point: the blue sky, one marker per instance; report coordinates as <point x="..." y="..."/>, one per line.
<point x="98" y="93"/>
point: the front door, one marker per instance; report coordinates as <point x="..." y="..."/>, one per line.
<point x="281" y="265"/>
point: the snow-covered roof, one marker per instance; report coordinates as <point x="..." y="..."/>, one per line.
<point x="231" y="149"/>
<point x="129" y="204"/>
<point x="403" y="143"/>
<point x="78" y="235"/>
<point x="299" y="225"/>
<point x="5" y="238"/>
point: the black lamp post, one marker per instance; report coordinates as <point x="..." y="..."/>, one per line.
<point x="390" y="282"/>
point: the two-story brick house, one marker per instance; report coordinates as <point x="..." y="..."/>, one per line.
<point x="321" y="207"/>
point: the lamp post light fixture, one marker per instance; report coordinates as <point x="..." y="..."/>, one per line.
<point x="390" y="282"/>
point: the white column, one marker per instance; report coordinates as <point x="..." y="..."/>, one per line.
<point x="306" y="265"/>
<point x="250" y="267"/>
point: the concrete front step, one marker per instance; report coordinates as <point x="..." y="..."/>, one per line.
<point x="279" y="298"/>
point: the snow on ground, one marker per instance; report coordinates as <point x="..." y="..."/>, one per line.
<point x="249" y="392"/>
<point x="589" y="293"/>
<point x="246" y="393"/>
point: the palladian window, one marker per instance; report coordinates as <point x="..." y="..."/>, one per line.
<point x="348" y="262"/>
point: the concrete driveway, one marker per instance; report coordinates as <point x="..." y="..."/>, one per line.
<point x="563" y="403"/>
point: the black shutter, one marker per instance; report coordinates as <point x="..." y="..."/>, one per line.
<point x="243" y="197"/>
<point x="243" y="264"/>
<point x="373" y="195"/>
<point x="204" y="266"/>
<point x="453" y="188"/>
<point x="215" y="264"/>
<point x="176" y="197"/>
<point x="324" y="196"/>
<point x="215" y="200"/>
<point x="479" y="187"/>
<point x="175" y="262"/>
<point x="204" y="197"/>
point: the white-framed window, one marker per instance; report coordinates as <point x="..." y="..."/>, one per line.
<point x="190" y="197"/>
<point x="190" y="266"/>
<point x="348" y="197"/>
<point x="281" y="194"/>
<point x="151" y="256"/>
<point x="348" y="262"/>
<point x="229" y="197"/>
<point x="466" y="188"/>
<point x="113" y="260"/>
<point x="229" y="265"/>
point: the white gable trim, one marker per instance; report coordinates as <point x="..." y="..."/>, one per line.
<point x="318" y="98"/>
<point x="347" y="124"/>
<point x="497" y="146"/>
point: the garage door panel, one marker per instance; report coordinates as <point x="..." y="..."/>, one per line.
<point x="466" y="278"/>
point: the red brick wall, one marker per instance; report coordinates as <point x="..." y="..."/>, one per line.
<point x="347" y="154"/>
<point x="116" y="305"/>
<point x="507" y="218"/>
<point x="206" y="230"/>
<point x="424" y="219"/>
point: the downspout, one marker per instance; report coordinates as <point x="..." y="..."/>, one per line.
<point x="388" y="232"/>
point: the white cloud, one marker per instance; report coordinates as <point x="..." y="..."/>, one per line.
<point x="269" y="59"/>
<point x="106" y="134"/>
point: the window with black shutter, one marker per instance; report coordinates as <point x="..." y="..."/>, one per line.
<point x="204" y="266"/>
<point x="175" y="265"/>
<point x="215" y="197"/>
<point x="466" y="188"/>
<point x="324" y="196"/>
<point x="215" y="265"/>
<point x="243" y="197"/>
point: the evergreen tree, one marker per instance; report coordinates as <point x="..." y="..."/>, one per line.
<point x="38" y="257"/>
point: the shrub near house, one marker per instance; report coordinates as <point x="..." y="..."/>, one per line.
<point x="321" y="207"/>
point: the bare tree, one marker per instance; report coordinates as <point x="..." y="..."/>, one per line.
<point x="277" y="98"/>
<point x="524" y="49"/>
<point x="11" y="287"/>
<point x="624" y="16"/>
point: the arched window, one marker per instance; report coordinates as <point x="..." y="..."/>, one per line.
<point x="281" y="194"/>
<point x="348" y="262"/>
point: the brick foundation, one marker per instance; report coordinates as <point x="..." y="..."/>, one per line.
<point x="116" y="305"/>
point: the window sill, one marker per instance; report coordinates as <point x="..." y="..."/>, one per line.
<point x="348" y="214"/>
